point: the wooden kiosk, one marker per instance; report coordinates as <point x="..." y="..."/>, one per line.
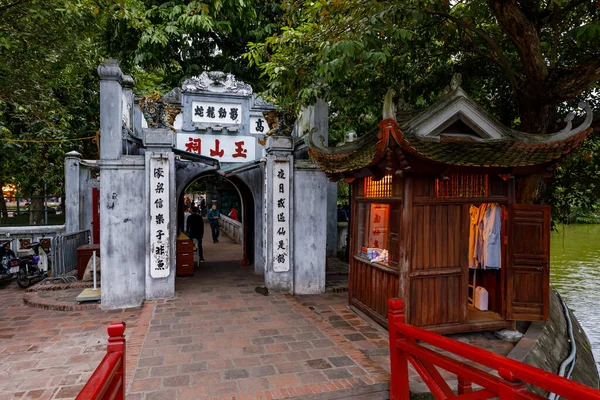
<point x="415" y="181"/>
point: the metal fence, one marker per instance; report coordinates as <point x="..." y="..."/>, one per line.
<point x="20" y="212"/>
<point x="64" y="251"/>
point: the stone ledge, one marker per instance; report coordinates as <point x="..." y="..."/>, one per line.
<point x="33" y="299"/>
<point x="60" y="286"/>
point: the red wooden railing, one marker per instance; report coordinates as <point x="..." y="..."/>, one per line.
<point x="510" y="384"/>
<point x="108" y="380"/>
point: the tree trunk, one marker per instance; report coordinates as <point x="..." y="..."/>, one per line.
<point x="36" y="211"/>
<point x="529" y="189"/>
<point x="537" y="116"/>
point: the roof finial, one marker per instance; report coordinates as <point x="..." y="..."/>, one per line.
<point x="454" y="83"/>
<point x="389" y="108"/>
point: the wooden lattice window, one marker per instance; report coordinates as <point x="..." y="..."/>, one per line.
<point x="462" y="185"/>
<point x="380" y="188"/>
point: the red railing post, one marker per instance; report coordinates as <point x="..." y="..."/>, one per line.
<point x="464" y="386"/>
<point x="399" y="388"/>
<point x="116" y="344"/>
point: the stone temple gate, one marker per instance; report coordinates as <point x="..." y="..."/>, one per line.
<point x="132" y="197"/>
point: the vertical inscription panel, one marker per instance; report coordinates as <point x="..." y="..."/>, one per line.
<point x="159" y="217"/>
<point x="281" y="216"/>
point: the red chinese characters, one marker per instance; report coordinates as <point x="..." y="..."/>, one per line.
<point x="193" y="145"/>
<point x="240" y="151"/>
<point x="217" y="151"/>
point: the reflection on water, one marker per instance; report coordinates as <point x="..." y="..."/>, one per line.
<point x="575" y="273"/>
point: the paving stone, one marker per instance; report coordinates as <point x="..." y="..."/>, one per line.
<point x="341" y="361"/>
<point x="193" y="367"/>
<point x="322" y="343"/>
<point x="338" y="373"/>
<point x="251" y="385"/>
<point x="289" y="368"/>
<point x="67" y="392"/>
<point x="163" y="371"/>
<point x="263" y="370"/>
<point x="235" y="374"/>
<point x="318" y="364"/>
<point x="161" y="395"/>
<point x="355" y="337"/>
<point x="268" y="332"/>
<point x="263" y="340"/>
<point x="176" y="381"/>
<point x="144" y="385"/>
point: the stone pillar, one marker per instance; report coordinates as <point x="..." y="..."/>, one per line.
<point x="111" y="110"/>
<point x="161" y="203"/>
<point x="279" y="215"/>
<point x="128" y="101"/>
<point x="72" y="187"/>
<point x="319" y="118"/>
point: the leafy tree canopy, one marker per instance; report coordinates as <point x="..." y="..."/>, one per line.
<point x="527" y="62"/>
<point x="523" y="60"/>
<point x="49" y="51"/>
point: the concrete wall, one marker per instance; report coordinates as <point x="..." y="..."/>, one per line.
<point x="123" y="239"/>
<point x="546" y="345"/>
<point x="255" y="181"/>
<point x="86" y="183"/>
<point x="310" y="224"/>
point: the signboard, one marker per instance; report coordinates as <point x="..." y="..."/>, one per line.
<point x="258" y="125"/>
<point x="159" y="216"/>
<point x="217" y="113"/>
<point x="281" y="216"/>
<point x="222" y="147"/>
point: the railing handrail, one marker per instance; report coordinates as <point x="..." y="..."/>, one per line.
<point x="230" y="220"/>
<point x="108" y="380"/>
<point x="404" y="336"/>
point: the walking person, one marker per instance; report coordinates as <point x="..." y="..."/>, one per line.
<point x="213" y="218"/>
<point x="195" y="225"/>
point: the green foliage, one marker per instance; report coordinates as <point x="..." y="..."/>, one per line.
<point x="178" y="39"/>
<point x="574" y="191"/>
<point x="49" y="52"/>
<point x="527" y="63"/>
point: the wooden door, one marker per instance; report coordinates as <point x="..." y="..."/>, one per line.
<point x="528" y="263"/>
<point x="438" y="269"/>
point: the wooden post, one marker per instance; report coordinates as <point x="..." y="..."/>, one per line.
<point x="464" y="386"/>
<point x="399" y="388"/>
<point x="116" y="344"/>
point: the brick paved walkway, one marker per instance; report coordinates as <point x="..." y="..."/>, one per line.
<point x="220" y="339"/>
<point x="51" y="354"/>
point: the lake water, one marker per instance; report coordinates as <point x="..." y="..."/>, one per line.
<point x="575" y="273"/>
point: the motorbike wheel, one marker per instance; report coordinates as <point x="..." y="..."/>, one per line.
<point x="22" y="280"/>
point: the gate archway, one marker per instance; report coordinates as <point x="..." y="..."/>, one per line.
<point x="218" y="190"/>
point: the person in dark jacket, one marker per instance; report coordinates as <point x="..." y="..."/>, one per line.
<point x="213" y="217"/>
<point x="195" y="226"/>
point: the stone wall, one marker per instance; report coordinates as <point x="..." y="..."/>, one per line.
<point x="123" y="241"/>
<point x="546" y="345"/>
<point x="255" y="180"/>
<point x="310" y="227"/>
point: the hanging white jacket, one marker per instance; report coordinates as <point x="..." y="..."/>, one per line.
<point x="492" y="237"/>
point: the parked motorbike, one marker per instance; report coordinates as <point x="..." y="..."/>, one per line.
<point x="9" y="263"/>
<point x="33" y="265"/>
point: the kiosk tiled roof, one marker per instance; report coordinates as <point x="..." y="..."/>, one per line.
<point x="455" y="132"/>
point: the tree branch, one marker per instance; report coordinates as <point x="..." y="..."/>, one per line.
<point x="569" y="83"/>
<point x="524" y="35"/>
<point x="500" y="58"/>
<point x="16" y="3"/>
